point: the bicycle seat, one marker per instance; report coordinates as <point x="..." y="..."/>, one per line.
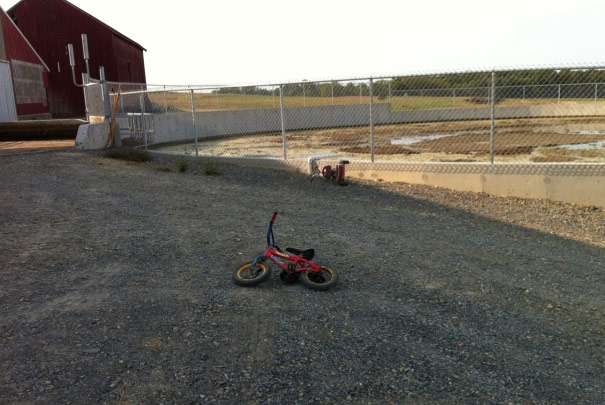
<point x="305" y="253"/>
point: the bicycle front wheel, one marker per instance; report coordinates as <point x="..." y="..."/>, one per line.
<point x="248" y="277"/>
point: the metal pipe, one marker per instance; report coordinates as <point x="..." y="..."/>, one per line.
<point x="193" y="123"/>
<point x="304" y="96"/>
<point x="492" y="138"/>
<point x="142" y="102"/>
<point x="283" y="122"/>
<point x="84" y="86"/>
<point x="85" y="51"/>
<point x="371" y="119"/>
<point x="559" y="96"/>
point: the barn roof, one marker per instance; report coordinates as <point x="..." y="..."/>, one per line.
<point x="24" y="39"/>
<point x="116" y="32"/>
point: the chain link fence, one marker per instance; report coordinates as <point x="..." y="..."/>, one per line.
<point x="531" y="115"/>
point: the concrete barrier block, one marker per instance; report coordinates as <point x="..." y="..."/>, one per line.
<point x="93" y="136"/>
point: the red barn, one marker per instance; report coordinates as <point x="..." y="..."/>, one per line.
<point x="50" y="25"/>
<point x="23" y="75"/>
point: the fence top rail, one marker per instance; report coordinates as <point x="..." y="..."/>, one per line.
<point x="209" y="91"/>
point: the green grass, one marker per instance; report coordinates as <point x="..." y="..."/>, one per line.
<point x="163" y="169"/>
<point x="209" y="102"/>
<point x="129" y="154"/>
<point x="182" y="164"/>
<point x="211" y="170"/>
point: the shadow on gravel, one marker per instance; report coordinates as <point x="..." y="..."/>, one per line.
<point x="117" y="288"/>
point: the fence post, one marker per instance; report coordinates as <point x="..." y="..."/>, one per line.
<point x="454" y="99"/>
<point x="193" y="122"/>
<point x="106" y="102"/>
<point x="332" y="84"/>
<point x="596" y="91"/>
<point x="273" y="94"/>
<point x="559" y="96"/>
<point x="371" y="119"/>
<point x="165" y="100"/>
<point x="360" y="93"/>
<point x="421" y="98"/>
<point x="85" y="90"/>
<point x="304" y="96"/>
<point x="390" y="94"/>
<point x="142" y="102"/>
<point x="283" y="122"/>
<point x="523" y="94"/>
<point x="492" y="137"/>
<point x="218" y="105"/>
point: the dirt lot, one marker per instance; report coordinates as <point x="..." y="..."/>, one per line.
<point x="23" y="147"/>
<point x="116" y="289"/>
<point x="579" y="140"/>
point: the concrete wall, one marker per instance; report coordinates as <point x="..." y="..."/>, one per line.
<point x="582" y="184"/>
<point x="178" y="127"/>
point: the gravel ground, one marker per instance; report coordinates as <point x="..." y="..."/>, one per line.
<point x="117" y="288"/>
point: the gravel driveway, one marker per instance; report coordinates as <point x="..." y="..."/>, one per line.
<point x="116" y="288"/>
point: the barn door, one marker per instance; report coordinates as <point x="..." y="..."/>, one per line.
<point x="8" y="109"/>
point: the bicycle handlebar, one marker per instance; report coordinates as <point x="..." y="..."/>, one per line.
<point x="270" y="237"/>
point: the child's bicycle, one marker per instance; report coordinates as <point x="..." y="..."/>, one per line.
<point x="294" y="267"/>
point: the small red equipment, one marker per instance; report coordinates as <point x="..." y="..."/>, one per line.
<point x="337" y="174"/>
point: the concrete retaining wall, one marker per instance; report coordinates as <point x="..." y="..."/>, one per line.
<point x="178" y="127"/>
<point x="582" y="184"/>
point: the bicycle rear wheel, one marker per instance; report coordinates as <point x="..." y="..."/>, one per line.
<point x="322" y="281"/>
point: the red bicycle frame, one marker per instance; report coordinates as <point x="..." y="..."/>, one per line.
<point x="291" y="264"/>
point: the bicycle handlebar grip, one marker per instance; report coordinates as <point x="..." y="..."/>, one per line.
<point x="273" y="217"/>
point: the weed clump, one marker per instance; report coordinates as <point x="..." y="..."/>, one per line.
<point x="182" y="164"/>
<point x="211" y="170"/>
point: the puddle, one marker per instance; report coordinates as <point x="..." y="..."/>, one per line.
<point x="415" y="139"/>
<point x="580" y="132"/>
<point x="584" y="146"/>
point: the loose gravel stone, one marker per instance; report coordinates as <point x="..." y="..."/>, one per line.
<point x="116" y="287"/>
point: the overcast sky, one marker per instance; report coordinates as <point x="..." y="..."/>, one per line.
<point x="268" y="41"/>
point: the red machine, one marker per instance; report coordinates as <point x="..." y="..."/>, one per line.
<point x="337" y="174"/>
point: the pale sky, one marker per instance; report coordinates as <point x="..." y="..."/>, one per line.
<point x="270" y="41"/>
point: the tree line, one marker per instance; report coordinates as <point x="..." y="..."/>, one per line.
<point x="436" y="81"/>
